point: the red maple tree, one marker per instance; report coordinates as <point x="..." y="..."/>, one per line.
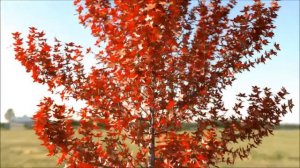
<point x="165" y="62"/>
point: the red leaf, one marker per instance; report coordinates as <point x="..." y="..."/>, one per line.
<point x="61" y="159"/>
<point x="170" y="105"/>
<point x="51" y="149"/>
<point x="46" y="48"/>
<point x="16" y="35"/>
<point x="277" y="46"/>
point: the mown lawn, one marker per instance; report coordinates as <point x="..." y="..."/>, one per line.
<point x="21" y="148"/>
<point x="280" y="150"/>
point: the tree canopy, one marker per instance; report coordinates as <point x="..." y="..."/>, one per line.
<point x="163" y="63"/>
<point x="9" y="115"/>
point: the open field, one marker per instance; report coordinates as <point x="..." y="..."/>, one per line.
<point x="21" y="148"/>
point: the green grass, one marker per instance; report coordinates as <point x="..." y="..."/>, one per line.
<point x="21" y="148"/>
<point x="280" y="150"/>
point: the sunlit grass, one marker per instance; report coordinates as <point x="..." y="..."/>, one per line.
<point x="21" y="148"/>
<point x="280" y="150"/>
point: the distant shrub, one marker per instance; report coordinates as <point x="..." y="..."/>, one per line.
<point x="189" y="126"/>
<point x="193" y="126"/>
<point x="5" y="126"/>
<point x="76" y="123"/>
<point x="28" y="125"/>
<point x="288" y="126"/>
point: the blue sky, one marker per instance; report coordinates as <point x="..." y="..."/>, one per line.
<point x="58" y="19"/>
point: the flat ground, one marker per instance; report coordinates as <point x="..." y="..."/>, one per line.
<point x="21" y="148"/>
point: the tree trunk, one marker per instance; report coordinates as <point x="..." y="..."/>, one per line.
<point x="152" y="143"/>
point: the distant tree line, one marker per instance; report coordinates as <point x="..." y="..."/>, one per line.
<point x="185" y="126"/>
